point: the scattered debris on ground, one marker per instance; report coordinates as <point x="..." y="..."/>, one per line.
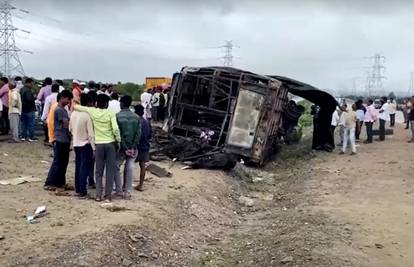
<point x="20" y="180"/>
<point x="39" y="212"/>
<point x="158" y="171"/>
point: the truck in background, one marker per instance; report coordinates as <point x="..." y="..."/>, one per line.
<point x="151" y="82"/>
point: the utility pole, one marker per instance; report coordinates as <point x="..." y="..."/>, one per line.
<point x="9" y="52"/>
<point x="374" y="83"/>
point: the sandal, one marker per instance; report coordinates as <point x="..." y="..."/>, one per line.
<point x="49" y="188"/>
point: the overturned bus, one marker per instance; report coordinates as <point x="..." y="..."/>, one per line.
<point x="236" y="111"/>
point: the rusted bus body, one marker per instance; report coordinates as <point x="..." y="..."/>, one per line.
<point x="243" y="109"/>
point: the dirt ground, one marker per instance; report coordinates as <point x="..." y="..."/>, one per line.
<point x="316" y="209"/>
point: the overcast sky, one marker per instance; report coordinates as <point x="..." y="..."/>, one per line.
<point x="319" y="42"/>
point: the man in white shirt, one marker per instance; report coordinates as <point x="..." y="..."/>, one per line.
<point x="334" y="122"/>
<point x="114" y="104"/>
<point x="60" y="83"/>
<point x="146" y="103"/>
<point x="19" y="83"/>
<point x="83" y="87"/>
<point x="384" y="116"/>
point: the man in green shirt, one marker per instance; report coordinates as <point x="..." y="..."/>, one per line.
<point x="130" y="128"/>
<point x="107" y="138"/>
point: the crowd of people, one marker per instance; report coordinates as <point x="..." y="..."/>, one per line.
<point x="103" y="128"/>
<point x="155" y="102"/>
<point x="349" y="120"/>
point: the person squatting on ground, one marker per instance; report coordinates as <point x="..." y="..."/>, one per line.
<point x="56" y="178"/>
<point x="369" y="118"/>
<point x="350" y="118"/>
<point x="15" y="110"/>
<point x="130" y="129"/>
<point x="83" y="134"/>
<point x="107" y="138"/>
<point x="143" y="145"/>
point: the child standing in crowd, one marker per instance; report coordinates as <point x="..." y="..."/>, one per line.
<point x="15" y="110"/>
<point x="143" y="146"/>
<point x="350" y="118"/>
<point x="130" y="129"/>
<point x="81" y="128"/>
<point x="107" y="138"/>
<point x="56" y="178"/>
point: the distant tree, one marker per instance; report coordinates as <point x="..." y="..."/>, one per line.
<point x="131" y="89"/>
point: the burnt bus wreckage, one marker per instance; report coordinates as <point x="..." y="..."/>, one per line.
<point x="215" y="112"/>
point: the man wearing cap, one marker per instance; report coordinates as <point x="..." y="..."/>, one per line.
<point x="83" y="88"/>
<point x="76" y="91"/>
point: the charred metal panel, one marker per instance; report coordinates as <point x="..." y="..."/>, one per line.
<point x="246" y="118"/>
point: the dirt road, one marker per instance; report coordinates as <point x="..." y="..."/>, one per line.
<point x="310" y="210"/>
<point x="372" y="193"/>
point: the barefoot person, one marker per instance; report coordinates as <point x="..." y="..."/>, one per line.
<point x="81" y="128"/>
<point x="107" y="139"/>
<point x="143" y="146"/>
<point x="56" y="179"/>
<point x="349" y="130"/>
<point x="130" y="128"/>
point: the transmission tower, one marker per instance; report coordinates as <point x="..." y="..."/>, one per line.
<point x="374" y="85"/>
<point x="228" y="53"/>
<point x="9" y="52"/>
